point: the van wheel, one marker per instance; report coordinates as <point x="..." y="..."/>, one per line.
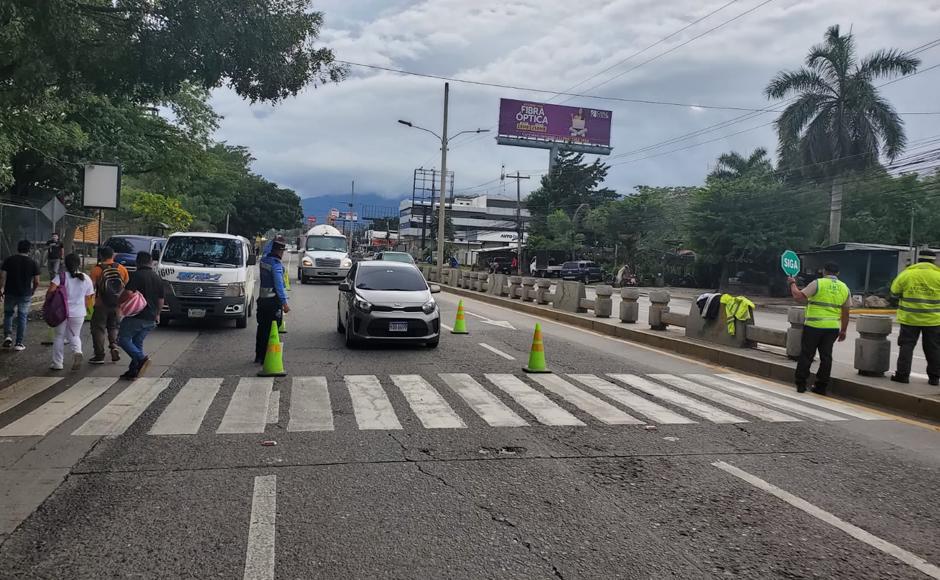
<point x="242" y="322"/>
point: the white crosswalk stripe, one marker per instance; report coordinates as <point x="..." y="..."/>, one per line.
<point x="704" y="410"/>
<point x="61" y="408"/>
<point x="725" y="399"/>
<point x="254" y="405"/>
<point x="430" y="407"/>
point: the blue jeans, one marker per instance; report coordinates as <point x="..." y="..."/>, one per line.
<point x="131" y="338"/>
<point x="21" y="305"/>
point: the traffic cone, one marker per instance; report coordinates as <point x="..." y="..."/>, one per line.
<point x="537" y="354"/>
<point x="282" y="328"/>
<point x="286" y="280"/>
<point x="460" y="325"/>
<point x="274" y="357"/>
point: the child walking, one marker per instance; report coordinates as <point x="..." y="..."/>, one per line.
<point x="79" y="289"/>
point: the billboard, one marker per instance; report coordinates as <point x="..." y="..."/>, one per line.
<point x="531" y="120"/>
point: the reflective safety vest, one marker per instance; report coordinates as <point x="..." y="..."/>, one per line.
<point x="824" y="308"/>
<point x="918" y="289"/>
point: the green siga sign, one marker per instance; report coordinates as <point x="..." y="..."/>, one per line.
<point x="790" y="263"/>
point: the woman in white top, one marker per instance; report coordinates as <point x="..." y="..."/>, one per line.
<point x="79" y="288"/>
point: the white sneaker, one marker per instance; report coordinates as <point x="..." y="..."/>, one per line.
<point x="55" y="367"/>
<point x="77" y="361"/>
<point x="20" y="347"/>
<point x="7" y="342"/>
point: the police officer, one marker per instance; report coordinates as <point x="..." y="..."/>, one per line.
<point x="827" y="318"/>
<point x="918" y="292"/>
<point x="272" y="299"/>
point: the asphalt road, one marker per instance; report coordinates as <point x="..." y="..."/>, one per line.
<point x="398" y="462"/>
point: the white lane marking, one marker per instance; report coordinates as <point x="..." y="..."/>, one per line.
<point x="497" y="351"/>
<point x="247" y="412"/>
<point x="371" y="406"/>
<point x="597" y="408"/>
<point x="430" y="407"/>
<point x="856" y="532"/>
<point x="767" y="398"/>
<point x="259" y="558"/>
<point x="484" y="403"/>
<point x="485" y="320"/>
<point x="694" y="406"/>
<point x="475" y="315"/>
<point x="59" y="408"/>
<point x="808" y="398"/>
<point x="185" y="413"/>
<point x="541" y="407"/>
<point x="24" y="389"/>
<point x="447" y="328"/>
<point x="310" y="408"/>
<point x="657" y="413"/>
<point x="119" y="414"/>
<point x="725" y="399"/>
<point x="274" y="407"/>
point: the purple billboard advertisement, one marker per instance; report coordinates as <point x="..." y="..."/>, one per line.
<point x="531" y="120"/>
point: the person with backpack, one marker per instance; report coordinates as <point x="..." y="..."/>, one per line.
<point x="109" y="279"/>
<point x="138" y="323"/>
<point x="19" y="279"/>
<point x="78" y="291"/>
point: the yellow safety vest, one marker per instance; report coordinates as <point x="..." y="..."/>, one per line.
<point x="824" y="309"/>
<point x="919" y="290"/>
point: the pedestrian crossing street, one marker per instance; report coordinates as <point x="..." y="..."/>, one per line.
<point x="499" y="400"/>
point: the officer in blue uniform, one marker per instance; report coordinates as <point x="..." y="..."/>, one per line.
<point x="272" y="298"/>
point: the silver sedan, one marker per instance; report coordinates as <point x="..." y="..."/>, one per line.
<point x="387" y="301"/>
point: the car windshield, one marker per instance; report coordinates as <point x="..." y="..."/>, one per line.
<point x="570" y="266"/>
<point x="397" y="257"/>
<point x="326" y="244"/>
<point x="590" y="265"/>
<point x="203" y="251"/>
<point x="391" y="279"/>
<point x="128" y="245"/>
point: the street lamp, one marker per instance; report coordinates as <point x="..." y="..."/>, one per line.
<point x="444" y="139"/>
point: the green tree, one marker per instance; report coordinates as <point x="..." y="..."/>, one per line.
<point x="880" y="207"/>
<point x="262" y="207"/>
<point x="571" y="184"/>
<point x="839" y="122"/>
<point x="734" y="165"/>
<point x="559" y="233"/>
<point x="155" y="210"/>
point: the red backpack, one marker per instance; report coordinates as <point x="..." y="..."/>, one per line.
<point x="55" y="309"/>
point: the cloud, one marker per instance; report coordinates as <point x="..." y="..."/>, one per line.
<point x="319" y="141"/>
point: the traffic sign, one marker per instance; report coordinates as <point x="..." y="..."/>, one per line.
<point x="790" y="263"/>
<point x="311" y="219"/>
<point x="54" y="210"/>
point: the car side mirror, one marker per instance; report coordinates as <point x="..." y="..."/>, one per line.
<point x="156" y="255"/>
<point x="345" y="287"/>
<point x="435" y="289"/>
<point x="252" y="260"/>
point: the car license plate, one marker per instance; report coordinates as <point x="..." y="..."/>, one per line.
<point x="398" y="327"/>
<point x="197" y="313"/>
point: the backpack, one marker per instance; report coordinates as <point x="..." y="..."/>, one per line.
<point x="55" y="308"/>
<point x="110" y="285"/>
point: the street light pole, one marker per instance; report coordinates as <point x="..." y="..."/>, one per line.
<point x="440" y="214"/>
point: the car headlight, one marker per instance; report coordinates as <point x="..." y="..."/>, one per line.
<point x="346" y="263"/>
<point x="429" y="306"/>
<point x="308" y="263"/>
<point x="235" y="289"/>
<point x="363" y="305"/>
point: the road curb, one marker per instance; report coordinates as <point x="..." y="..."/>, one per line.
<point x="742" y="360"/>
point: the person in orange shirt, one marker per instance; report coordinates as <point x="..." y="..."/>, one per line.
<point x="109" y="279"/>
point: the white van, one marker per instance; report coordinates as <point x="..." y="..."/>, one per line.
<point x="326" y="255"/>
<point x="208" y="275"/>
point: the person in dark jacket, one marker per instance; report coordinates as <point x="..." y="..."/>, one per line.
<point x="272" y="297"/>
<point x="134" y="329"/>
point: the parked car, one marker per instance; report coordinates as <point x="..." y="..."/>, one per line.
<point x="582" y="270"/>
<point x="126" y="247"/>
<point x="501" y="265"/>
<point x="381" y="300"/>
<point x="404" y="257"/>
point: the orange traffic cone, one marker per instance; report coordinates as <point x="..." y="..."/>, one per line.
<point x="274" y="357"/>
<point x="537" y="354"/>
<point x="460" y="325"/>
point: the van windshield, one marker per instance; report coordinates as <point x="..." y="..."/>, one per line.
<point x="326" y="244"/>
<point x="203" y="251"/>
<point x="128" y="245"/>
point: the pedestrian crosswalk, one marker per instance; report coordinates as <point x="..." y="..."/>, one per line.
<point x="443" y="401"/>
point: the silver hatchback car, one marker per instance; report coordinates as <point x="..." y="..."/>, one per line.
<point x="387" y="301"/>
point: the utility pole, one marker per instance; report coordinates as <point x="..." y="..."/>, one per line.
<point x="352" y="225"/>
<point x="518" y="177"/>
<point x="440" y="215"/>
<point x="911" y="239"/>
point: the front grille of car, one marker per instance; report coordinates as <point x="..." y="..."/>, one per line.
<point x="378" y="308"/>
<point x="379" y="329"/>
<point x="327" y="263"/>
<point x="207" y="291"/>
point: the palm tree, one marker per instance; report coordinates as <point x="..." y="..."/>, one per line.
<point x="734" y="165"/>
<point x="839" y="122"/>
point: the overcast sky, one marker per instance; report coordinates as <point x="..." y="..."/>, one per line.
<point x="319" y="141"/>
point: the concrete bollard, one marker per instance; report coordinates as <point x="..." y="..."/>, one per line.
<point x="515" y="285"/>
<point x="796" y="316"/>
<point x="542" y="294"/>
<point x="528" y="289"/>
<point x="872" y="348"/>
<point x="474" y="279"/>
<point x="629" y="308"/>
<point x="659" y="305"/>
<point x="603" y="303"/>
<point x="481" y="283"/>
